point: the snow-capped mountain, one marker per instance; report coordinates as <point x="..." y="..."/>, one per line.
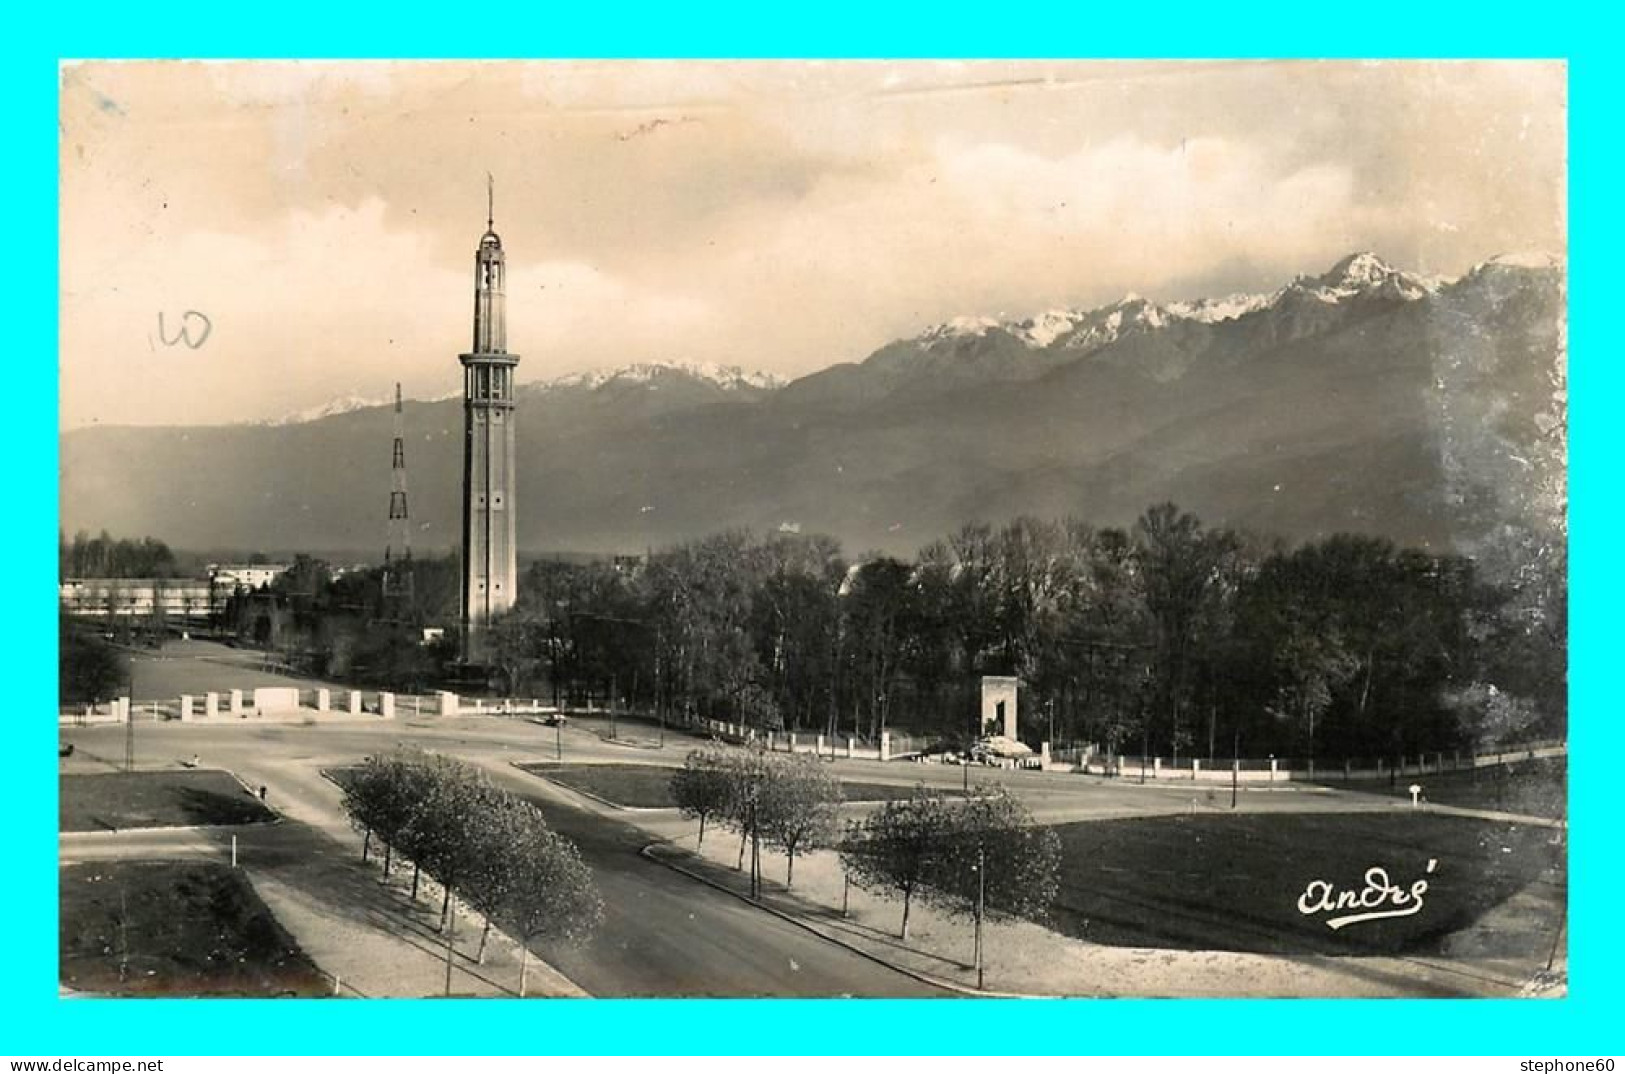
<point x="727" y="378"/>
<point x="959" y="328"/>
<point x="1358" y="276"/>
<point x="344" y="404"/>
<point x="976" y="348"/>
<point x="1365" y="399"/>
<point x="684" y="379"/>
<point x="1361" y="275"/>
<point x="1161" y="339"/>
<point x="1217" y="310"/>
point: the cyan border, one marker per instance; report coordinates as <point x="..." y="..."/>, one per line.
<point x="33" y="1020"/>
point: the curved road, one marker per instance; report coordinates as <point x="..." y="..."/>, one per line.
<point x="663" y="934"/>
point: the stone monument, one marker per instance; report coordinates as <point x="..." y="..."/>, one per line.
<point x="999" y="706"/>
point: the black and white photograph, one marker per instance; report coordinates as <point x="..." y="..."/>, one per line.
<point x="787" y="528"/>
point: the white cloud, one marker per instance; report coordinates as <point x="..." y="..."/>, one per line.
<point x="323" y="304"/>
<point x="774" y="216"/>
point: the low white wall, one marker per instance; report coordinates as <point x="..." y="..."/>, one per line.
<point x="276" y="699"/>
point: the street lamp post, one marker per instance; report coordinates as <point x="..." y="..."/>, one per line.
<point x="1235" y="768"/>
<point x="451" y="932"/>
<point x="1563" y="904"/>
<point x="129" y="722"/>
<point x="755" y="845"/>
<point x="981" y="907"/>
<point x="660" y="683"/>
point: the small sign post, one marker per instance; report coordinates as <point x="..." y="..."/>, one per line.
<point x="1416" y="794"/>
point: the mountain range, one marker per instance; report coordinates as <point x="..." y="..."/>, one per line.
<point x="1364" y="399"/>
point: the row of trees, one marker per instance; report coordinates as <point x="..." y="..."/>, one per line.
<point x="788" y="801"/>
<point x="340" y="625"/>
<point x="981" y="858"/>
<point x="105" y="556"/>
<point x="89" y="668"/>
<point x="482" y="844"/>
<point x="1169" y="636"/>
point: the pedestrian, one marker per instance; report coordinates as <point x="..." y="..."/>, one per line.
<point x="262" y="792"/>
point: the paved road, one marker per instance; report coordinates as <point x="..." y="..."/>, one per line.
<point x="663" y="934"/>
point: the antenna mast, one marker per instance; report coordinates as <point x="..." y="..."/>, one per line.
<point x="398" y="550"/>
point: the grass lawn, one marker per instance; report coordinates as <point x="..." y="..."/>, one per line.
<point x="175" y="929"/>
<point x="644" y="786"/>
<point x="163" y="799"/>
<point x="1537" y="788"/>
<point x="1233" y="882"/>
<point x="195" y="667"/>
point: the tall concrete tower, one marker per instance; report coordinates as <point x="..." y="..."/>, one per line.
<point x="490" y="572"/>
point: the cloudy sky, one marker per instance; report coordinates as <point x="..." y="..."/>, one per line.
<point x="776" y="216"/>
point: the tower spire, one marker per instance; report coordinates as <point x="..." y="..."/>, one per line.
<point x="490" y="570"/>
